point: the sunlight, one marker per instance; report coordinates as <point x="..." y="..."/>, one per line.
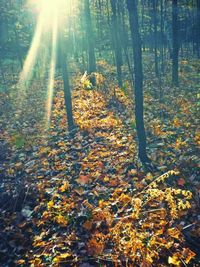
<point x="52" y="16"/>
<point x="52" y="70"/>
<point x="51" y="5"/>
<point x="33" y="51"/>
<point x="48" y="8"/>
<point x="48" y="13"/>
<point x="47" y="25"/>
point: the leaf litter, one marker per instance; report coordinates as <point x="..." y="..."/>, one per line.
<point x="87" y="200"/>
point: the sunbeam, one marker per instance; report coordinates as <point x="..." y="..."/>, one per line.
<point x="52" y="68"/>
<point x="40" y="63"/>
<point x="30" y="60"/>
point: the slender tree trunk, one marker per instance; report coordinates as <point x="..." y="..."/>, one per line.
<point x="18" y="48"/>
<point x="90" y="39"/>
<point x="137" y="53"/>
<point x="142" y="25"/>
<point x="198" y="28"/>
<point x="155" y="25"/>
<point x="175" y="43"/>
<point x="125" y="41"/>
<point x="2" y="73"/>
<point x="162" y="36"/>
<point x="117" y="46"/>
<point x="99" y="28"/>
<point x="67" y="91"/>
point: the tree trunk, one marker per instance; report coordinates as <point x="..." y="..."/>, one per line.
<point x="137" y="53"/>
<point x="175" y="43"/>
<point x="198" y="28"/>
<point x="67" y="91"/>
<point x="155" y="26"/>
<point x="162" y="36"/>
<point x="90" y="38"/>
<point x="117" y="46"/>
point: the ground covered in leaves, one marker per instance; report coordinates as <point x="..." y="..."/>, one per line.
<point x="86" y="200"/>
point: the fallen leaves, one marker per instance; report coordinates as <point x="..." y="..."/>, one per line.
<point x="62" y="257"/>
<point x="61" y="220"/>
<point x="64" y="187"/>
<point x="96" y="244"/>
<point x="91" y="202"/>
<point x="181" y="182"/>
<point x="184" y="256"/>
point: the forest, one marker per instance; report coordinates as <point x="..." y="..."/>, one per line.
<point x="99" y="133"/>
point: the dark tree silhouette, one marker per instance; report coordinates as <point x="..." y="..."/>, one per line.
<point x="137" y="53"/>
<point x="90" y="38"/>
<point x="175" y="42"/>
<point x="67" y="90"/>
<point x="117" y="46"/>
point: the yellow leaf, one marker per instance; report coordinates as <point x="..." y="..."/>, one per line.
<point x="174" y="260"/>
<point x="176" y="122"/>
<point x="106" y="179"/>
<point x="19" y="262"/>
<point x="174" y="232"/>
<point x="64" y="187"/>
<point x="149" y="176"/>
<point x="60" y="258"/>
<point x="61" y="220"/>
<point x="50" y="204"/>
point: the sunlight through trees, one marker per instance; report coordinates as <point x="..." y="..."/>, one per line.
<point x="99" y="133"/>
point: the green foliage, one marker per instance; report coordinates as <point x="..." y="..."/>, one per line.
<point x="124" y="88"/>
<point x="133" y="125"/>
<point x="18" y="140"/>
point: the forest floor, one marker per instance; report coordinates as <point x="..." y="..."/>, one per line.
<point x="86" y="200"/>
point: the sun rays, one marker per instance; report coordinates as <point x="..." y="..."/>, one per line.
<point x="52" y="69"/>
<point x="42" y="54"/>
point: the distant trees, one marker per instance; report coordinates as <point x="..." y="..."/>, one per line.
<point x="160" y="27"/>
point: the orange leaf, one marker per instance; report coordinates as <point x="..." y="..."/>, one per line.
<point x="113" y="182"/>
<point x="181" y="182"/>
<point x="83" y="179"/>
<point x="87" y="225"/>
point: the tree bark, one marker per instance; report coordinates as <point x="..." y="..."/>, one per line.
<point x="138" y="69"/>
<point x="117" y="46"/>
<point x="67" y="90"/>
<point x="175" y="81"/>
<point x="90" y="38"/>
<point x="198" y="28"/>
<point x="155" y="25"/>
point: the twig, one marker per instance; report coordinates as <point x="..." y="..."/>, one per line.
<point x="188" y="226"/>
